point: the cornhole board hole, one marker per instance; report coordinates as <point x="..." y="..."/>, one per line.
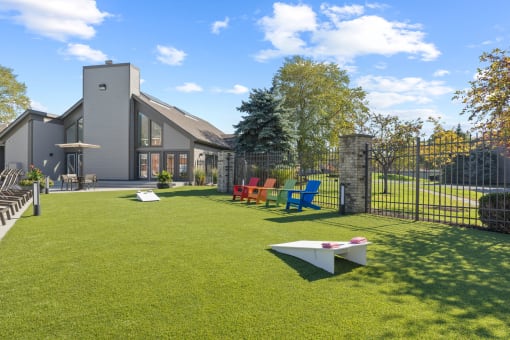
<point x="314" y="253"/>
<point x="147" y="196"/>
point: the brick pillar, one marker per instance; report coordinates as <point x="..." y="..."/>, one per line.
<point x="225" y="171"/>
<point x="353" y="173"/>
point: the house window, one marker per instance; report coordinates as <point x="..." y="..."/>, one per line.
<point x="142" y="165"/>
<point x="80" y="129"/>
<point x="155" y="134"/>
<point x="170" y="163"/>
<point x="71" y="134"/>
<point x="149" y="132"/>
<point x="143" y="130"/>
<point x="154" y="165"/>
<point x="183" y="165"/>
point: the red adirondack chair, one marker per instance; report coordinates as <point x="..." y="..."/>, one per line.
<point x="242" y="190"/>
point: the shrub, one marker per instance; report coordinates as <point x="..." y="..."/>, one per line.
<point x="494" y="211"/>
<point x="199" y="177"/>
<point x="215" y="175"/>
<point x="25" y="182"/>
<point x="283" y="173"/>
<point x="164" y="177"/>
<point x="33" y="175"/>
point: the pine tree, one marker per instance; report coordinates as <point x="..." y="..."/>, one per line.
<point x="267" y="127"/>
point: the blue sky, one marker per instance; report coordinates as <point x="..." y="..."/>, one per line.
<point x="205" y="56"/>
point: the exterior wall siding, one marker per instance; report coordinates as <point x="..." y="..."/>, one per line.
<point x="17" y="148"/>
<point x="174" y="140"/>
<point x="48" y="157"/>
<point x="107" y="119"/>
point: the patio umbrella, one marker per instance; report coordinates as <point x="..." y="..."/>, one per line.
<point x="78" y="147"/>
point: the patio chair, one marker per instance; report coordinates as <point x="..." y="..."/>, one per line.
<point x="242" y="190"/>
<point x="68" y="179"/>
<point x="90" y="180"/>
<point x="259" y="193"/>
<point x="305" y="196"/>
<point x="279" y="195"/>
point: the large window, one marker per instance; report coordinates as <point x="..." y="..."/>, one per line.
<point x="71" y="134"/>
<point x="155" y="134"/>
<point x="80" y="129"/>
<point x="142" y="165"/>
<point x="74" y="132"/>
<point x="154" y="165"/>
<point x="143" y="130"/>
<point x="149" y="132"/>
<point x="170" y="163"/>
<point x="183" y="165"/>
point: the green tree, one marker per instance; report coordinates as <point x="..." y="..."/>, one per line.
<point x="13" y="99"/>
<point x="487" y="101"/>
<point x="266" y="128"/>
<point x="443" y="145"/>
<point x="322" y="103"/>
<point x="391" y="138"/>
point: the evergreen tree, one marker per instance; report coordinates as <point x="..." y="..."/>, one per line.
<point x="266" y="128"/>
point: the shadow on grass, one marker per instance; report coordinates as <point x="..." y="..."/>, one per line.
<point x="165" y="193"/>
<point x="312" y="273"/>
<point x="464" y="271"/>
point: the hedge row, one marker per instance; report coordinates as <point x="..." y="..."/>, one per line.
<point x="494" y="211"/>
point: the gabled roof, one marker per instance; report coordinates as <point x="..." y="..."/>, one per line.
<point x="22" y="116"/>
<point x="201" y="130"/>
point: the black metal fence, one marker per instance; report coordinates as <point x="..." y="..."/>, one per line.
<point x="283" y="166"/>
<point x="440" y="180"/>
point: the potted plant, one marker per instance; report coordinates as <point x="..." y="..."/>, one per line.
<point x="164" y="179"/>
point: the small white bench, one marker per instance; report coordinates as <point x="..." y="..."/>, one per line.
<point x="314" y="253"/>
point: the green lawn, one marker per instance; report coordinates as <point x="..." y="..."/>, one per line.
<point x="197" y="265"/>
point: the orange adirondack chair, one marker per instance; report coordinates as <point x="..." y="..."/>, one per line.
<point x="242" y="190"/>
<point x="260" y="193"/>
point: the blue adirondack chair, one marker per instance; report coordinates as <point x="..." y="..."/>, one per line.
<point x="305" y="196"/>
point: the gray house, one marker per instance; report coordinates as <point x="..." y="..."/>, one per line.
<point x="138" y="134"/>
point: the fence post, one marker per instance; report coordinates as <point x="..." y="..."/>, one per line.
<point x="353" y="171"/>
<point x="417" y="175"/>
<point x="225" y="171"/>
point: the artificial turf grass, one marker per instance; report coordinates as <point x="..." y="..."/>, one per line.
<point x="196" y="264"/>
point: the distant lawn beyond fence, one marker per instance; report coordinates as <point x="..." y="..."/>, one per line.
<point x="196" y="265"/>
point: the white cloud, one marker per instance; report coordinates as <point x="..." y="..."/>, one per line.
<point x="170" y="55"/>
<point x="337" y="13"/>
<point x="238" y="89"/>
<point x="298" y="30"/>
<point x="84" y="53"/>
<point x="386" y="92"/>
<point x="283" y="29"/>
<point x="38" y="106"/>
<point x="441" y="73"/>
<point x="217" y="26"/>
<point x="56" y="19"/>
<point x="189" y="87"/>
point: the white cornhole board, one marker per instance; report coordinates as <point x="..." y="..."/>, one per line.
<point x="147" y="196"/>
<point x="312" y="252"/>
